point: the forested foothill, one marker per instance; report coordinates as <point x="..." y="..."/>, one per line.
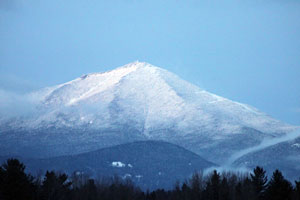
<point x="16" y="184"/>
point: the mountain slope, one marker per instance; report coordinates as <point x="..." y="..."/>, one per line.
<point x="150" y="164"/>
<point x="283" y="155"/>
<point x="135" y="102"/>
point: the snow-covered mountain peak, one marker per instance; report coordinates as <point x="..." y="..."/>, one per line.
<point x="137" y="64"/>
<point x="90" y="85"/>
<point x="142" y="66"/>
<point x="138" y="101"/>
<point x="150" y="99"/>
<point x="120" y="71"/>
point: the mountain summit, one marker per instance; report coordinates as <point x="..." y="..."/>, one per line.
<point x="137" y="101"/>
<point x="152" y="98"/>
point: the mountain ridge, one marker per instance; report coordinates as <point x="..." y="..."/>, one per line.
<point x="137" y="101"/>
<point x="94" y="88"/>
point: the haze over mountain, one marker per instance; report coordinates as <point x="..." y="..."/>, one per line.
<point x="135" y="102"/>
<point x="283" y="155"/>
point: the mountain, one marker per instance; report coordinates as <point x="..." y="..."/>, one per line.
<point x="283" y="155"/>
<point x="149" y="164"/>
<point x="135" y="102"/>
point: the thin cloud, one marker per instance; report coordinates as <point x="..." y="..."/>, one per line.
<point x="13" y="104"/>
<point x="264" y="144"/>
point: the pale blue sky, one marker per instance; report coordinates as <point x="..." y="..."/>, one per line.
<point x="247" y="51"/>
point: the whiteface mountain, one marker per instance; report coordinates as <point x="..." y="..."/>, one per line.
<point x="135" y="102"/>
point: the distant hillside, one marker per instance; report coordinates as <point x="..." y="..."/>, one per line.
<point x="150" y="164"/>
<point x="284" y="156"/>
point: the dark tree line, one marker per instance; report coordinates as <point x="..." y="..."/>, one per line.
<point x="15" y="184"/>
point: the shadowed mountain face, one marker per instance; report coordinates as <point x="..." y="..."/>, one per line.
<point x="132" y="103"/>
<point x="150" y="164"/>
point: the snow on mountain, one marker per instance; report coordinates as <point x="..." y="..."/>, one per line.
<point x="151" y="97"/>
<point x="145" y="102"/>
<point x="118" y="164"/>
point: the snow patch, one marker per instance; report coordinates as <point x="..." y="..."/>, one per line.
<point x="138" y="176"/>
<point x="78" y="173"/>
<point x="296" y="145"/>
<point x="118" y="164"/>
<point x="127" y="176"/>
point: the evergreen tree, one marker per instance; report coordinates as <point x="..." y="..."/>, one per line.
<point x="279" y="188"/>
<point x="213" y="186"/>
<point x="176" y="192"/>
<point x="196" y="185"/>
<point x="238" y="191"/>
<point x="185" y="194"/>
<point x="244" y="189"/>
<point x="15" y="184"/>
<point x="224" y="190"/>
<point x="259" y="182"/>
<point x="297" y="190"/>
<point x="55" y="187"/>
